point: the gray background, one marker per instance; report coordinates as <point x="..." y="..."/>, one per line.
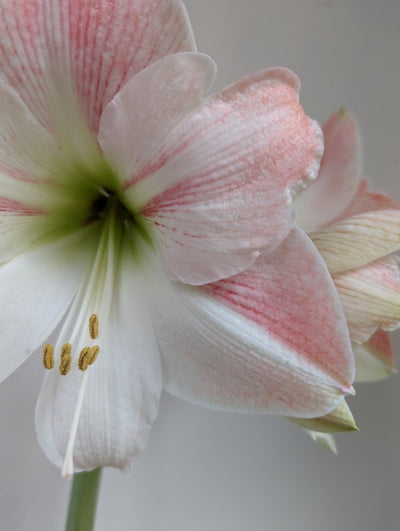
<point x="205" y="470"/>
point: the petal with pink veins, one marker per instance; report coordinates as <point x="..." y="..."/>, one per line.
<point x="375" y="358"/>
<point x="358" y="240"/>
<point x="27" y="150"/>
<point x="101" y="44"/>
<point x="370" y="297"/>
<point x="221" y="184"/>
<point x="138" y="119"/>
<point x="339" y="174"/>
<point x="366" y="201"/>
<point x="272" y="339"/>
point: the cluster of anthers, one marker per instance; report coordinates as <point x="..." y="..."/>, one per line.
<point x="87" y="356"/>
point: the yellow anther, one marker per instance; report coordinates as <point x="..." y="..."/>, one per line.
<point x="66" y="359"/>
<point x="48" y="356"/>
<point x="93" y="353"/>
<point x="66" y="350"/>
<point x="94" y="326"/>
<point x="83" y="362"/>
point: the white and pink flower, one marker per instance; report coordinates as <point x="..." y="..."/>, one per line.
<point x="356" y="232"/>
<point x="127" y="193"/>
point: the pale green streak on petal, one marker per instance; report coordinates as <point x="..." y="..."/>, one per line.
<point x="324" y="439"/>
<point x="339" y="420"/>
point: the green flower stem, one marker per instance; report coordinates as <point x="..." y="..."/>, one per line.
<point x="83" y="501"/>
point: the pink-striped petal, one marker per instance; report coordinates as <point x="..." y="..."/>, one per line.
<point x="139" y="118"/>
<point x="370" y="297"/>
<point x="367" y="201"/>
<point x="363" y="238"/>
<point x="101" y="45"/>
<point x="225" y="177"/>
<point x="27" y="151"/>
<point x="31" y="154"/>
<point x="375" y="358"/>
<point x="271" y="339"/>
<point x="338" y="178"/>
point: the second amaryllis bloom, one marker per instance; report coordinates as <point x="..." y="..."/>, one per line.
<point x="150" y="228"/>
<point x="357" y="235"/>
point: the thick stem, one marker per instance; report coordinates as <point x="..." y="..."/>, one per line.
<point x="83" y="501"/>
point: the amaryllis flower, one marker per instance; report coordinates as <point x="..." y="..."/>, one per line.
<point x="151" y="230"/>
<point x="356" y="232"/>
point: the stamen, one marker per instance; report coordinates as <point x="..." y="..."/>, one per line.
<point x="68" y="465"/>
<point x="95" y="292"/>
<point x="66" y="359"/>
<point x="48" y="356"/>
<point x="92" y="354"/>
<point x="83" y="361"/>
<point x="94" y="326"/>
<point x="66" y="350"/>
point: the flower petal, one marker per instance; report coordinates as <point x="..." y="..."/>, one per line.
<point x="338" y="178"/>
<point x="18" y="232"/>
<point x="226" y="175"/>
<point x="272" y="339"/>
<point x="122" y="391"/>
<point x="35" y="155"/>
<point x="358" y="240"/>
<point x="366" y="201"/>
<point x="375" y="358"/>
<point x="102" y="44"/>
<point x="38" y="286"/>
<point x="143" y="113"/>
<point x="27" y="151"/>
<point x="339" y="420"/>
<point x="325" y="440"/>
<point x="370" y="297"/>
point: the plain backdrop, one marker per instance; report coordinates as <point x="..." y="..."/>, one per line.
<point x="208" y="471"/>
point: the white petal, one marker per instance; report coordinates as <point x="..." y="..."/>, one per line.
<point x="36" y="289"/>
<point x="99" y="45"/>
<point x="122" y="392"/>
<point x="18" y="232"/>
<point x="139" y="118"/>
